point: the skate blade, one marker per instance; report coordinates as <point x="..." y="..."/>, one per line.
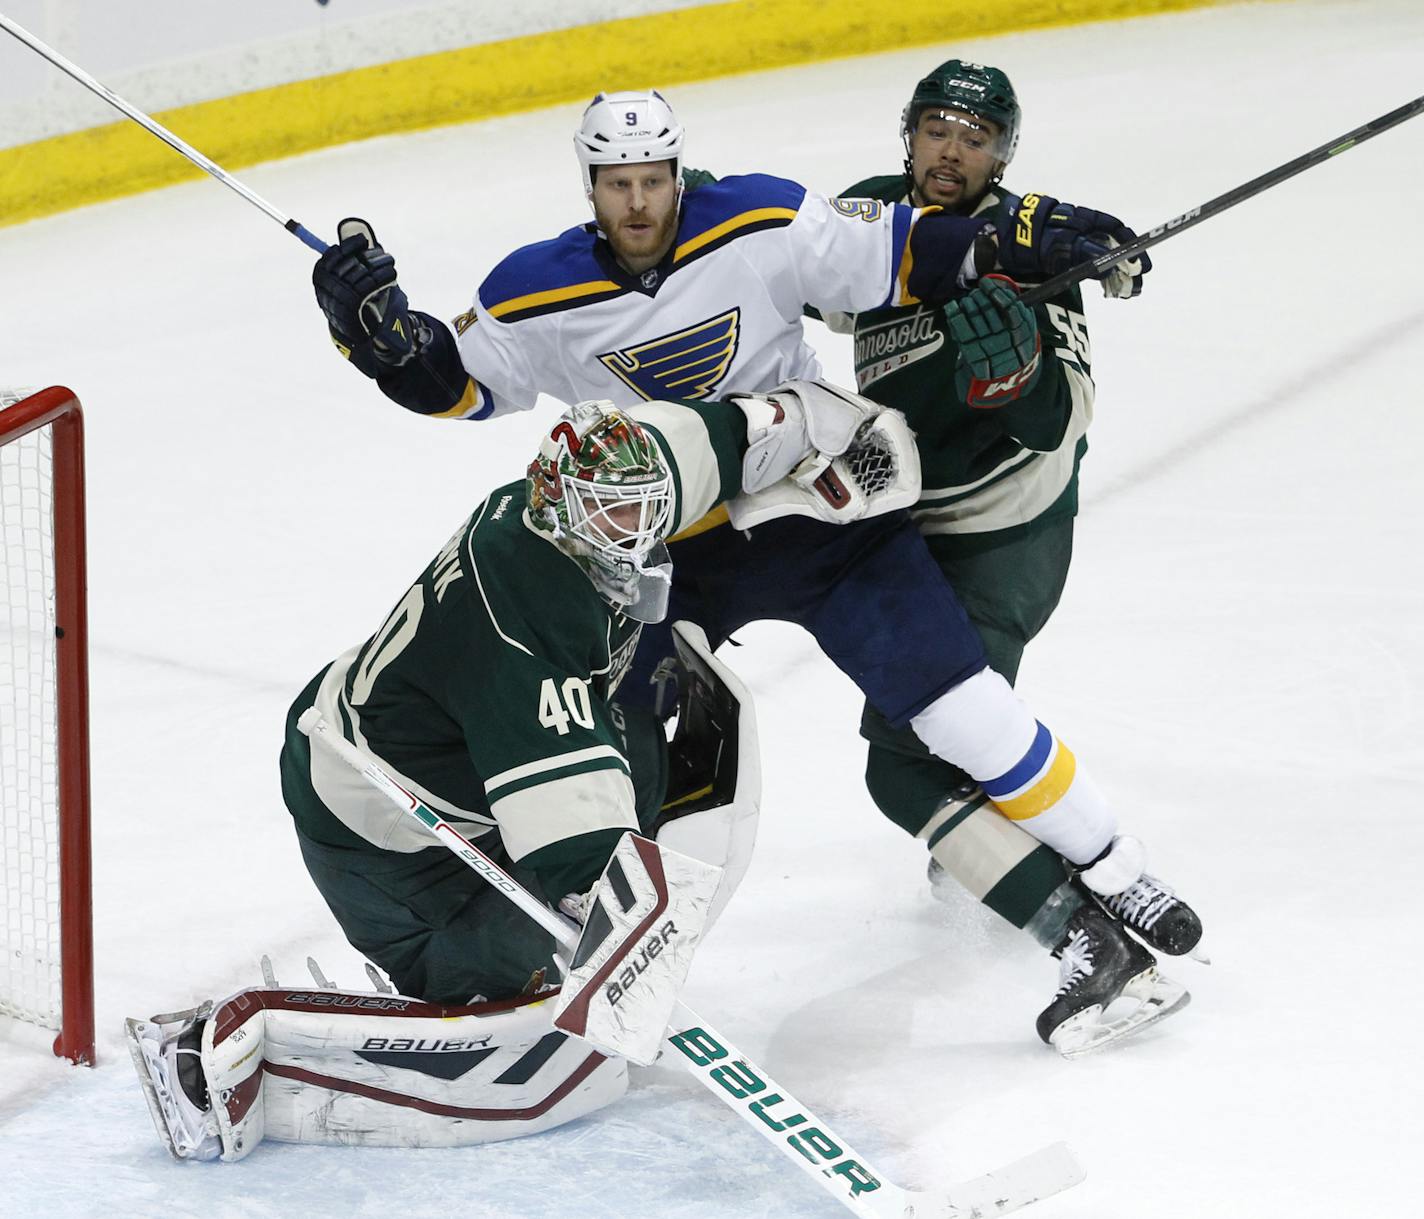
<point x="145" y="1042"/>
<point x="1089" y="1033"/>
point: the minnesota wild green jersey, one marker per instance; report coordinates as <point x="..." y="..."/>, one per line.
<point x="984" y="471"/>
<point x="486" y="690"/>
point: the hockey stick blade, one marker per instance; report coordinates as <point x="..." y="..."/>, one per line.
<point x="1036" y="1176"/>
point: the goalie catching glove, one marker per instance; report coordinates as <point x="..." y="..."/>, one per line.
<point x="817" y="450"/>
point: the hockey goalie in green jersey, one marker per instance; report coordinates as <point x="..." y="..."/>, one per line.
<point x="488" y="693"/>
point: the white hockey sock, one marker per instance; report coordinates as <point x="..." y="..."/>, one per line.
<point x="1031" y="776"/>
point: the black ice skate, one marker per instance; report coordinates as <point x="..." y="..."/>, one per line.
<point x="1157" y="916"/>
<point x="1108" y="989"/>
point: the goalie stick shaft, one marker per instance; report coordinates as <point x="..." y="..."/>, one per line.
<point x="300" y="231"/>
<point x="733" y="1078"/>
<point x="1214" y="207"/>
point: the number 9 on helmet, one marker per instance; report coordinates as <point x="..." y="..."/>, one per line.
<point x="627" y="129"/>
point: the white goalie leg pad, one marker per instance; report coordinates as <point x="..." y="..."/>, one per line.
<point x="715" y="819"/>
<point x="353" y="1068"/>
<point x="645" y="920"/>
<point x="820" y="451"/>
<point x="1031" y="776"/>
<point x="396" y="1072"/>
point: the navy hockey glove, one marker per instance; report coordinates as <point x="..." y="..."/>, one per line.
<point x="1000" y="353"/>
<point x="1040" y="237"/>
<point x="356" y="287"/>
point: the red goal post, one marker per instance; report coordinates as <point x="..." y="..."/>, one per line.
<point x="47" y="976"/>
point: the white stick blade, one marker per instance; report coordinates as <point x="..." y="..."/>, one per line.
<point x="1036" y="1176"/>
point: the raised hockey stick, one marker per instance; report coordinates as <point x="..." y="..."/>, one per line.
<point x="162" y="132"/>
<point x="738" y="1082"/>
<point x="1214" y="207"/>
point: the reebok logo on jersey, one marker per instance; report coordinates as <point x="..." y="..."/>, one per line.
<point x="688" y="363"/>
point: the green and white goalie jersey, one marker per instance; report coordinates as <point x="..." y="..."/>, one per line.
<point x="486" y="690"/>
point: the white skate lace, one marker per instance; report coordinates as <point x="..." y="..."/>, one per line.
<point x="1143" y="902"/>
<point x="1075" y="962"/>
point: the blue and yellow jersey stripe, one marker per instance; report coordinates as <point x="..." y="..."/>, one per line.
<point x="565" y="273"/>
<point x="551" y="300"/>
<point x="475" y="403"/>
<point x="904" y="222"/>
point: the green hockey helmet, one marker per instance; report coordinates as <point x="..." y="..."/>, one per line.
<point x="973" y="88"/>
<point x="602" y="490"/>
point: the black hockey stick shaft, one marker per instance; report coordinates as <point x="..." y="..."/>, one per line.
<point x="1317" y="156"/>
<point x="73" y="70"/>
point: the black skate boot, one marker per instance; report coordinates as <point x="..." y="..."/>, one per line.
<point x="1157" y="916"/>
<point x="1100" y="965"/>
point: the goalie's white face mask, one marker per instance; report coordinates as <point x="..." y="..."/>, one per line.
<point x="619" y="531"/>
<point x="603" y="491"/>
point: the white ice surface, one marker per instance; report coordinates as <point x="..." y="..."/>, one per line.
<point x="1238" y="659"/>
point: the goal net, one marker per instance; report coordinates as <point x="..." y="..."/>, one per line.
<point x="46" y="970"/>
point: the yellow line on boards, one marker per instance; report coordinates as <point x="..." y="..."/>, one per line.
<point x="472" y="83"/>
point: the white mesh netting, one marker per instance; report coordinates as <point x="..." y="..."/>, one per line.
<point x="29" y="813"/>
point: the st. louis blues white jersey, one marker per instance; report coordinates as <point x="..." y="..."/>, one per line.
<point x="722" y="313"/>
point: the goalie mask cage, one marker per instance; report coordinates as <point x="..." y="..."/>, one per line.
<point x="47" y="971"/>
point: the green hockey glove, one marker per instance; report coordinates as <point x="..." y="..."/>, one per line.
<point x="1000" y="352"/>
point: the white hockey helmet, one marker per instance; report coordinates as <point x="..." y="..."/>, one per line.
<point x="625" y="128"/>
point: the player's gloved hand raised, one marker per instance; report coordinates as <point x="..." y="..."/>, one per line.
<point x="355" y="282"/>
<point x="1000" y="352"/>
<point x="1124" y="279"/>
<point x="1040" y="237"/>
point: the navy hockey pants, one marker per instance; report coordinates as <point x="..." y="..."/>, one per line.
<point x="870" y="593"/>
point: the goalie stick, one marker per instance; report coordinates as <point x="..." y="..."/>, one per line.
<point x="738" y="1082"/>
<point x="1214" y="207"/>
<point x="295" y="227"/>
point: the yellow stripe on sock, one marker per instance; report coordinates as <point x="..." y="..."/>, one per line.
<point x="1044" y="794"/>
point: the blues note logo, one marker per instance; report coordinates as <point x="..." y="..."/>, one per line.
<point x="686" y="364"/>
